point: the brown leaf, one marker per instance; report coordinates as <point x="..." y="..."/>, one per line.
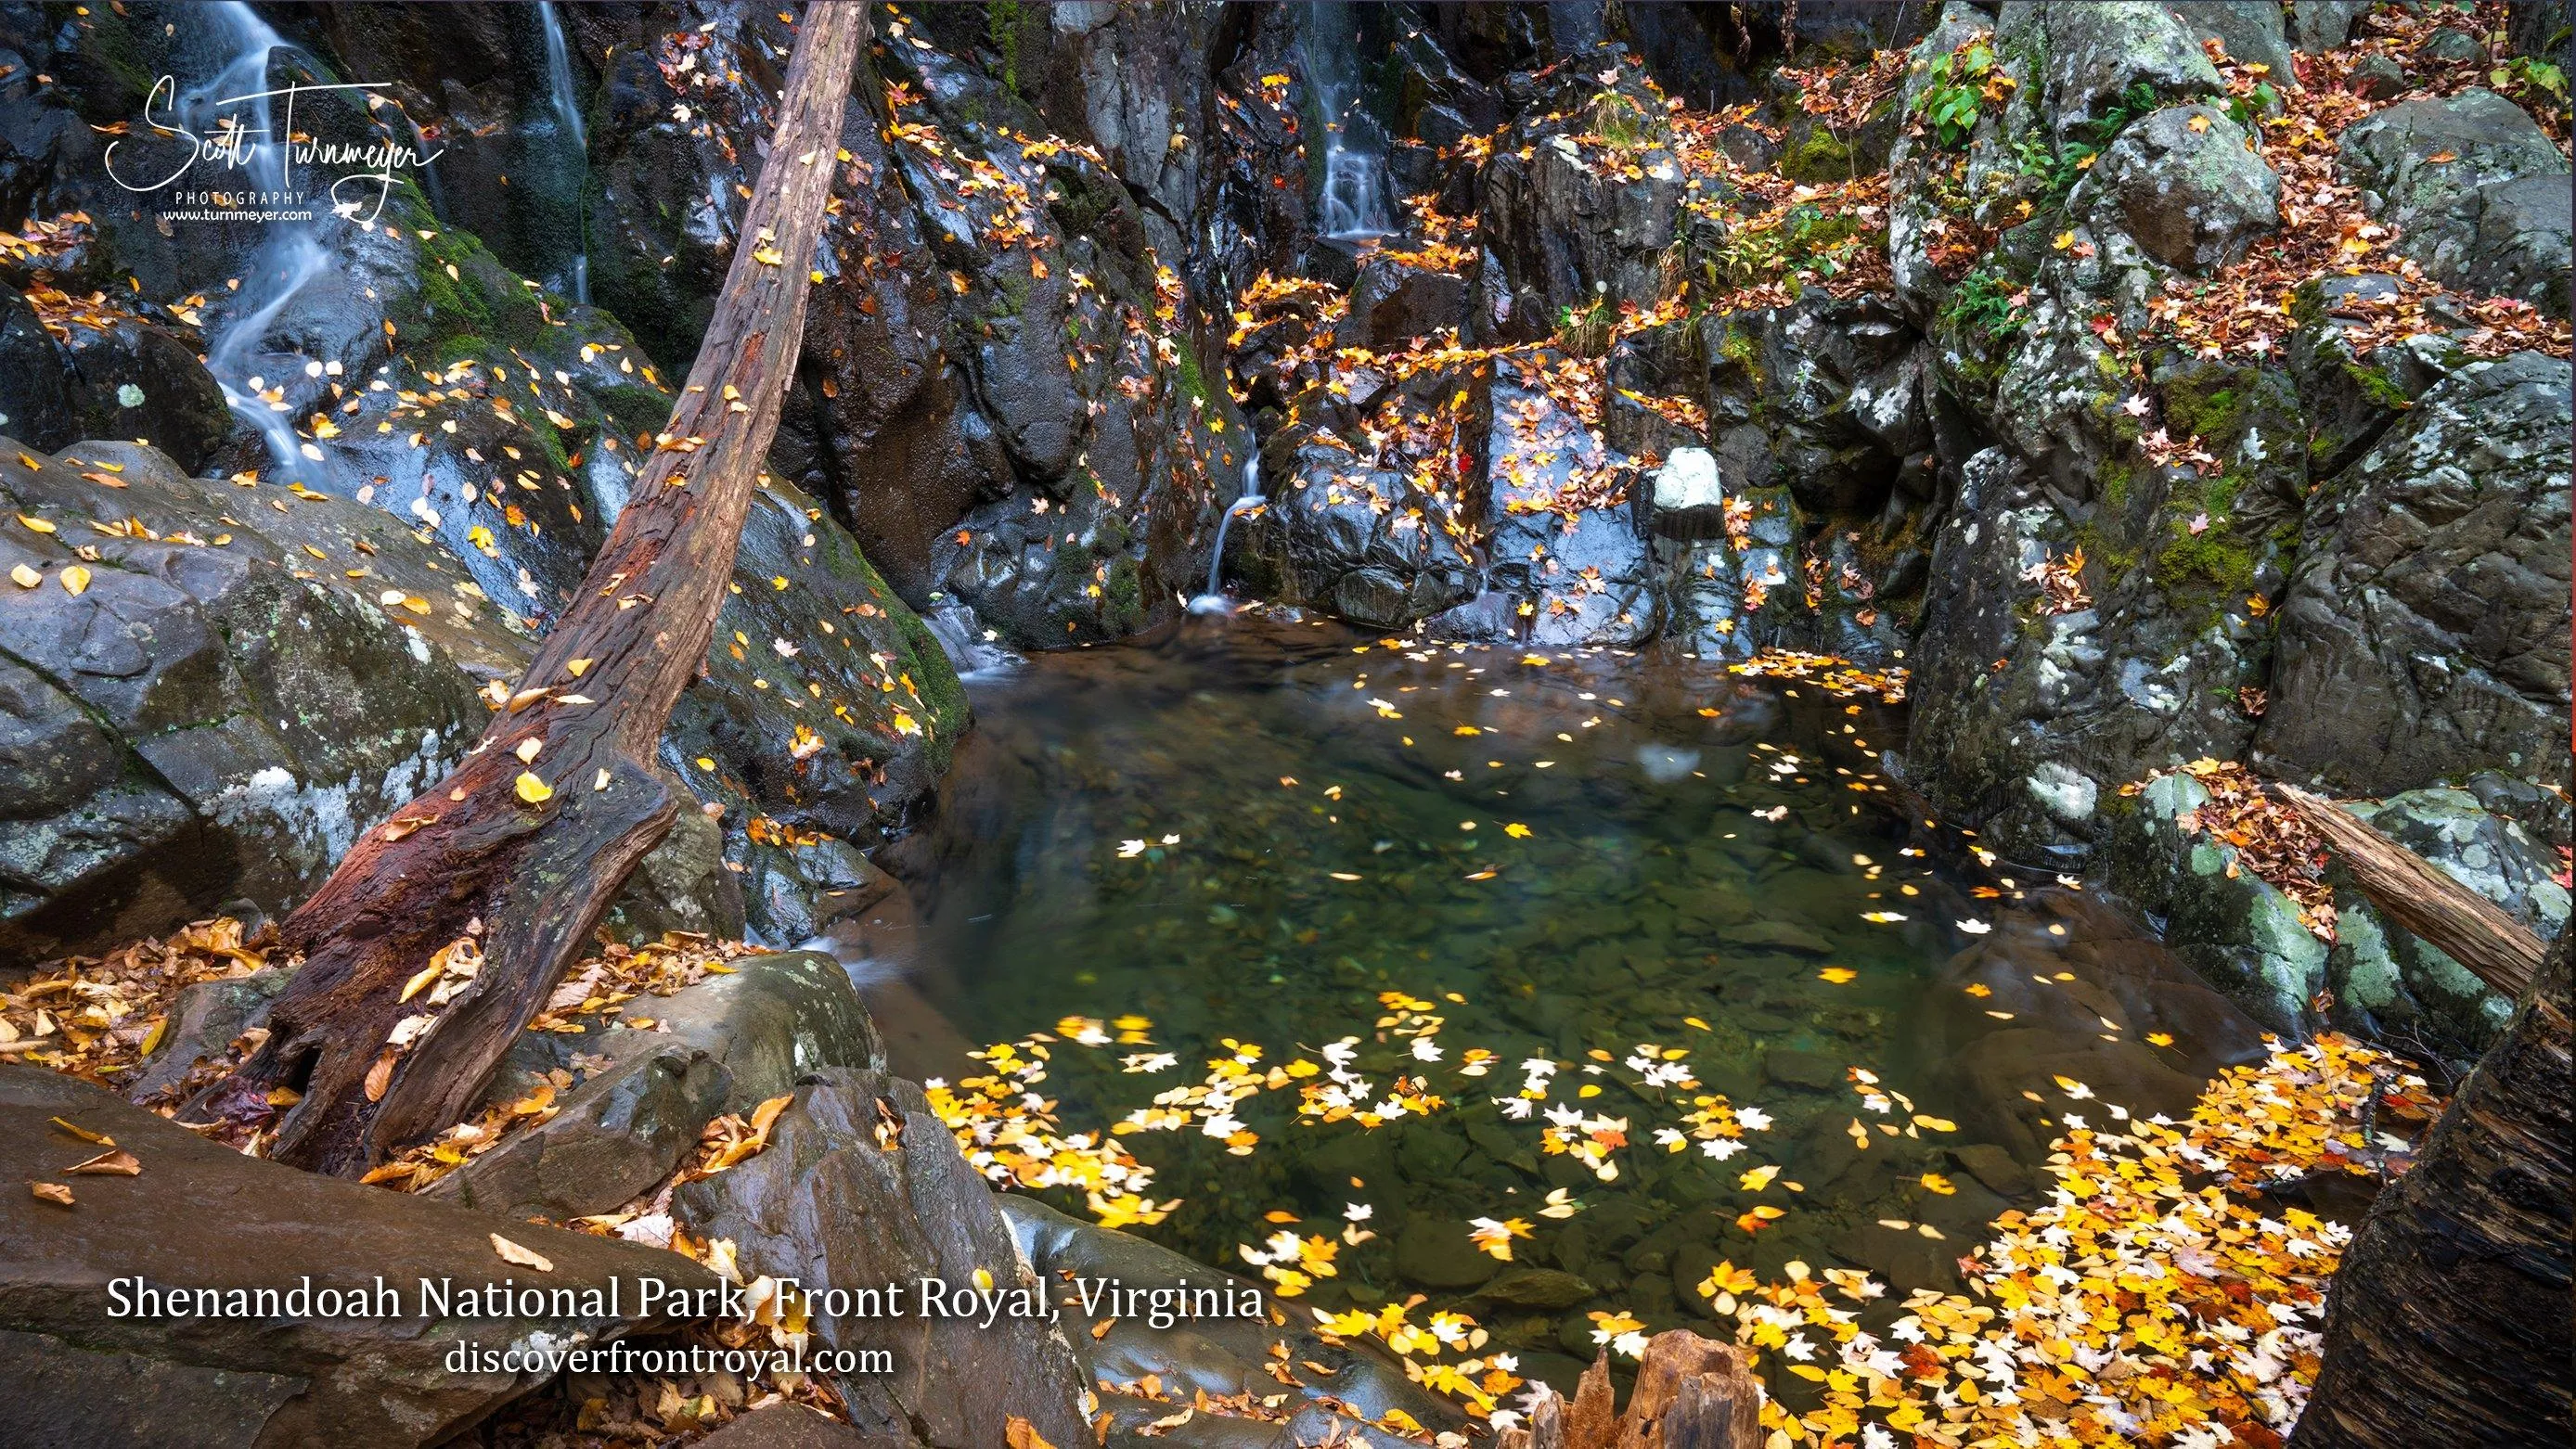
<point x="109" y="1164"/>
<point x="1019" y="1434"/>
<point x="379" y="1077"/>
<point x="525" y="1257"/>
<point x="52" y="1192"/>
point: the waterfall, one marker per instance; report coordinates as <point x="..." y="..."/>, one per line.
<point x="289" y="256"/>
<point x="1354" y="205"/>
<point x="1214" y="600"/>
<point x="568" y="128"/>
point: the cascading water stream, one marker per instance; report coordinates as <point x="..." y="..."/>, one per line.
<point x="1214" y="600"/>
<point x="1354" y="205"/>
<point x="231" y="99"/>
<point x="568" y="128"/>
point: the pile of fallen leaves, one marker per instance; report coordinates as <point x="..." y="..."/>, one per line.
<point x="2270" y="839"/>
<point x="2157" y="1298"/>
<point x="594" y="997"/>
<point x="2325" y="230"/>
<point x="97" y="1018"/>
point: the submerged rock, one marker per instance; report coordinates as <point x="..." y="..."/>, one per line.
<point x="1223" y="1356"/>
<point x="203" y="1216"/>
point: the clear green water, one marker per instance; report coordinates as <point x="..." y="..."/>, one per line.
<point x="1695" y="849"/>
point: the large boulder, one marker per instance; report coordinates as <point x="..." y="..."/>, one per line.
<point x="2188" y="186"/>
<point x="1566" y="236"/>
<point x="216" y="712"/>
<point x="2424" y="635"/>
<point x="2237" y="930"/>
<point x="202" y="1216"/>
<point x="2477" y="192"/>
<point x="2388" y="982"/>
<point x="862" y="1185"/>
<point x="2085" y="60"/>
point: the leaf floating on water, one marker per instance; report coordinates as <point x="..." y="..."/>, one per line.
<point x="1838" y="975"/>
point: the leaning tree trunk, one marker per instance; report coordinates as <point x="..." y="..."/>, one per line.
<point x="502" y="868"/>
<point x="2449" y="1321"/>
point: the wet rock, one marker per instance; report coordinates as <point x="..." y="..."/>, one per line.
<point x="2424" y="634"/>
<point x="2386" y="982"/>
<point x="611" y="1137"/>
<point x="1810" y="1071"/>
<point x="203" y="1020"/>
<point x="2318" y="25"/>
<point x="2253" y="31"/>
<point x="1224" y="1355"/>
<point x="1440" y="1254"/>
<point x="1568" y="544"/>
<point x="140" y="384"/>
<point x="1689" y="499"/>
<point x="1541" y="1288"/>
<point x="768" y="1021"/>
<point x="1835" y="383"/>
<point x="38" y="401"/>
<point x="2490" y="215"/>
<point x="2240" y="933"/>
<point x="793" y="1426"/>
<point x="1903" y="1258"/>
<point x="861" y="1185"/>
<point x="1568" y="238"/>
<point x="1393" y="303"/>
<point x="2350" y="397"/>
<point x="1775" y="935"/>
<point x="247" y="1380"/>
<point x="2089" y="57"/>
<point x="2188" y="186"/>
<point x="241" y="715"/>
<point x="681" y="885"/>
<point x="1994" y="1167"/>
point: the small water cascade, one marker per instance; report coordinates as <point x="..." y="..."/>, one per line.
<point x="569" y="130"/>
<point x="1354" y="205"/>
<point x="1214" y="600"/>
<point x="290" y="255"/>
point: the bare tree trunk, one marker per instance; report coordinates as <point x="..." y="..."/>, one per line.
<point x="2419" y="896"/>
<point x="516" y="854"/>
<point x="2449" y="1322"/>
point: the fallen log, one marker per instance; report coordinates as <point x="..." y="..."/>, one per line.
<point x="2422" y="898"/>
<point x="442" y="932"/>
<point x="2449" y="1321"/>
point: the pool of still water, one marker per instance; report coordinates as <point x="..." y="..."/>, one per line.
<point x="1668" y="884"/>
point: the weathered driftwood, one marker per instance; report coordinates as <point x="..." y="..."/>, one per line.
<point x="523" y="867"/>
<point x="2420" y="897"/>
<point x="1691" y="1393"/>
<point x="2449" y="1321"/>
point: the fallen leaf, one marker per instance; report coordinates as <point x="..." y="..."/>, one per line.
<point x="525" y="1257"/>
<point x="84" y="1134"/>
<point x="113" y="1163"/>
<point x="52" y="1192"/>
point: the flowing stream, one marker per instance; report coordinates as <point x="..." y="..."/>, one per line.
<point x="287" y="255"/>
<point x="566" y="104"/>
<point x="1353" y="201"/>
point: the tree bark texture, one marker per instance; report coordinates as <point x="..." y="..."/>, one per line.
<point x="2419" y="896"/>
<point x="2449" y="1322"/>
<point x="519" y="851"/>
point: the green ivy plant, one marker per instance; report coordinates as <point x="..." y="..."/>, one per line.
<point x="1949" y="105"/>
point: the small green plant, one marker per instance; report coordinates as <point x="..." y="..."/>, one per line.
<point x="1957" y="93"/>
<point x="2532" y="82"/>
<point x="1983" y="304"/>
<point x="2246" y="109"/>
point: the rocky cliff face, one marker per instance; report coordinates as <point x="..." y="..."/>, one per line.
<point x="2132" y="386"/>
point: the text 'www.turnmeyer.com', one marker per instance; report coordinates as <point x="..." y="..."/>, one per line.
<point x="539" y="1357"/>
